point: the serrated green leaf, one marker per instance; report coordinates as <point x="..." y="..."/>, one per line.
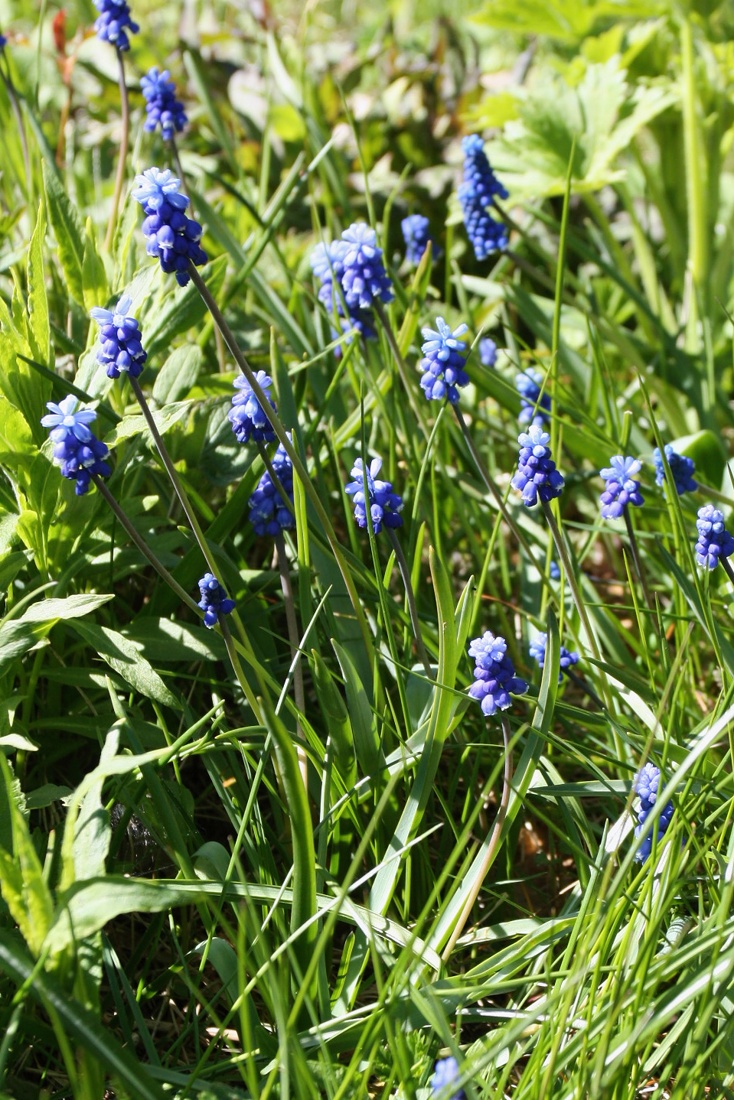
<point x="68" y="232"/>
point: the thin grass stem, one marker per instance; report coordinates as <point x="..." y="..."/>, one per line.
<point x="410" y="596"/>
<point x="294" y="638"/>
<point x="122" y="156"/>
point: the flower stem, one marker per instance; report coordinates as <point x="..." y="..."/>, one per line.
<point x="491" y="846"/>
<point x="412" y="607"/>
<point x="122" y="157"/>
<point x="179" y="171"/>
<point x="288" y="447"/>
<point x="295" y="643"/>
<point x="144" y="548"/>
<point x="728" y="568"/>
<point x="638" y="562"/>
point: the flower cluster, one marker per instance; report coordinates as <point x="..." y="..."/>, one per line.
<point x="443" y="362"/>
<point x="161" y="106"/>
<point x="567" y="660"/>
<point x="247" y="415"/>
<point x="417" y="237"/>
<point x="79" y="454"/>
<point x="647" y="785"/>
<point x="113" y="23"/>
<point x="621" y="489"/>
<point x="494" y="674"/>
<point x="487" y="352"/>
<point x="171" y="235"/>
<point x="682" y="469"/>
<point x="3" y="41"/>
<point x="120" y="349"/>
<point x="214" y="600"/>
<point x="476" y="193"/>
<point x="535" y="403"/>
<point x="269" y="514"/>
<point x="537" y="477"/>
<point x="714" y="541"/>
<point x="328" y="265"/>
<point x="367" y="491"/>
<point x="446" y="1074"/>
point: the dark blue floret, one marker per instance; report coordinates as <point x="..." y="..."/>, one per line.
<point x="113" y="22"/>
<point x="621" y="489"/>
<point x="78" y="453"/>
<point x="646" y="785"/>
<point x="494" y="674"/>
<point x="214" y="601"/>
<point x="161" y="106"/>
<point x="446" y="1074"/>
<point x="170" y="235"/>
<point x="535" y="403"/>
<point x="479" y="188"/>
<point x="3" y="41"/>
<point x="417" y="237"/>
<point x="364" y="279"/>
<point x="714" y="541"/>
<point x="487" y="352"/>
<point x="681" y="468"/>
<point x="537" y="477"/>
<point x="368" y="491"/>
<point x="567" y="659"/>
<point x="120" y="348"/>
<point x="247" y="415"/>
<point x="443" y="362"/>
<point x="269" y="514"/>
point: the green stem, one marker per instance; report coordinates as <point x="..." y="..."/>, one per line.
<point x="492" y="846"/>
<point x="728" y="568"/>
<point x="696" y="178"/>
<point x="144" y="548"/>
<point x="122" y="157"/>
<point x="410" y="595"/>
<point x="288" y="447"/>
<point x="638" y="562"/>
<point x="15" y="106"/>
<point x="295" y="643"/>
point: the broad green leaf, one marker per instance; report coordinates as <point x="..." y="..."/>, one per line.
<point x="16" y="638"/>
<point x="178" y="374"/>
<point x="39" y="326"/>
<point x="363" y="721"/>
<point x="90" y="829"/>
<point x="21" y="875"/>
<point x="178" y="309"/>
<point x="71" y="607"/>
<point x="94" y="277"/>
<point x="68" y="232"/>
<point x="136" y="424"/>
<point x="122" y="656"/>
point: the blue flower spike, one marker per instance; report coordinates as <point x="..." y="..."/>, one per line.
<point x="444" y="355"/>
<point x="537" y="477"/>
<point x="476" y="193"/>
<point x="487" y="352"/>
<point x="171" y="236"/>
<point x="567" y="660"/>
<point x="214" y="600"/>
<point x="367" y="491"/>
<point x="269" y="514"/>
<point x="77" y="451"/>
<point x="646" y="785"/>
<point x="714" y="542"/>
<point x="535" y="403"/>
<point x="364" y="279"/>
<point x="327" y="264"/>
<point x="445" y="1074"/>
<point x="161" y="106"/>
<point x="120" y="348"/>
<point x="621" y="488"/>
<point x="247" y="415"/>
<point x="494" y="674"/>
<point x="682" y="469"/>
<point x="417" y="237"/>
<point x="113" y="23"/>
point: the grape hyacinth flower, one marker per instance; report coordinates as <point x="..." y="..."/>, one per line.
<point x="214" y="601"/>
<point x="3" y="41"/>
<point x="170" y="234"/>
<point x="327" y="264"/>
<point x="364" y="279"/>
<point x="494" y="674"/>
<point x="113" y="23"/>
<point x="445" y="1074"/>
<point x="555" y="571"/>
<point x="120" y="348"/>
<point x="537" y="477"/>
<point x="647" y="785"/>
<point x="443" y="362"/>
<point x="621" y="489"/>
<point x="161" y="106"/>
<point x="247" y="415"/>
<point x="417" y="237"/>
<point x="567" y="660"/>
<point x="269" y="514"/>
<point x="535" y="404"/>
<point x="681" y="468"/>
<point x="487" y="352"/>
<point x="384" y="505"/>
<point x="476" y="193"/>
<point x="714" y="541"/>
<point x="78" y="453"/>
